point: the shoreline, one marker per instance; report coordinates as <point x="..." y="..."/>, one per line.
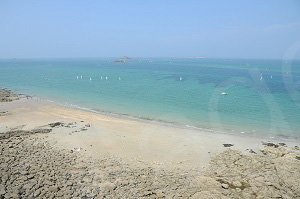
<point x="146" y="140"/>
<point x="233" y="132"/>
<point x="53" y="151"/>
<point x="275" y="138"/>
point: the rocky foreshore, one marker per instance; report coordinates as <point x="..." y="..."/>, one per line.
<point x="7" y="95"/>
<point x="33" y="167"/>
<point x="273" y="173"/>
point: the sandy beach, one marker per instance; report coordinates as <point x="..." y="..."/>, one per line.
<point x="53" y="151"/>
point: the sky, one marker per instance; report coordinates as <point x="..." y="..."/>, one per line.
<point x="267" y="29"/>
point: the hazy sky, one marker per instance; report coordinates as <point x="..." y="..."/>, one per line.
<point x="87" y="28"/>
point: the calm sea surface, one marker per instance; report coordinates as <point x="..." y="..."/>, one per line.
<point x="257" y="97"/>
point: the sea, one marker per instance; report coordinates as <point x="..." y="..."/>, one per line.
<point x="237" y="96"/>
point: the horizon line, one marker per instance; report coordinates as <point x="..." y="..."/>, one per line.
<point x="147" y="57"/>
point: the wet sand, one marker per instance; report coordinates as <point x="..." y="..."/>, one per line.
<point x="122" y="158"/>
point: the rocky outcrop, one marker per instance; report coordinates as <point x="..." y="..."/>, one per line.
<point x="30" y="167"/>
<point x="273" y="174"/>
<point x="8" y="96"/>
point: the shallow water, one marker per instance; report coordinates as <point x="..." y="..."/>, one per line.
<point x="259" y="96"/>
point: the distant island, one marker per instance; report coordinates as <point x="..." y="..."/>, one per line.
<point x="123" y="60"/>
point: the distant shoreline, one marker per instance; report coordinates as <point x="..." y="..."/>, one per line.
<point x="154" y="57"/>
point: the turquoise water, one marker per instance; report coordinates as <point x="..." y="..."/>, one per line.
<point x="262" y="96"/>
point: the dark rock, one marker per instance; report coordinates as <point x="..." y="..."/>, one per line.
<point x="270" y="144"/>
<point x="18" y="133"/>
<point x="8" y="96"/>
<point x="56" y="124"/>
<point x="251" y="151"/>
<point x="227" y="145"/>
<point x="281" y="144"/>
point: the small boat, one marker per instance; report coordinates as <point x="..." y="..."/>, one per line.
<point x="223" y="93"/>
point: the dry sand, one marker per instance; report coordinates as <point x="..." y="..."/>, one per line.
<point x="114" y="157"/>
